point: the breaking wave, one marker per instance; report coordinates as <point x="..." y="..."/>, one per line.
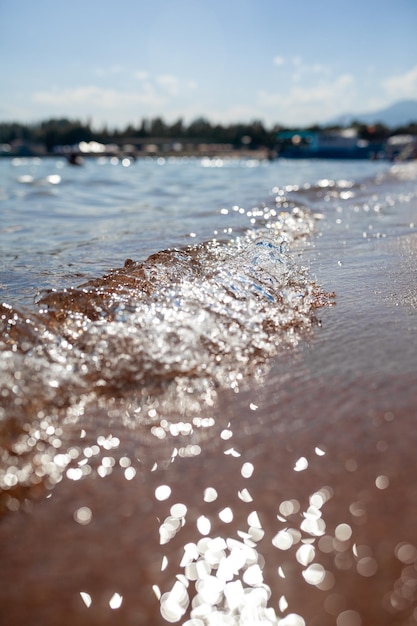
<point x="207" y="314"/>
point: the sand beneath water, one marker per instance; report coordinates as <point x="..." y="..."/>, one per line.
<point x="296" y="493"/>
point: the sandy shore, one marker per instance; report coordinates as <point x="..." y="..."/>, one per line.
<point x="313" y="465"/>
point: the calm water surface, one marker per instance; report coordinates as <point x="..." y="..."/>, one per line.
<point x="207" y="378"/>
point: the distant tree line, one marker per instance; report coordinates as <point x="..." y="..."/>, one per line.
<point x="59" y="132"/>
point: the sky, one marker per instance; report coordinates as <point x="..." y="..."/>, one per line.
<point x="287" y="62"/>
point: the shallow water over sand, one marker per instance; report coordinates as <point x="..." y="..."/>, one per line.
<point x="204" y="438"/>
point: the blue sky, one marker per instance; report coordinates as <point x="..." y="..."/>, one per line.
<point x="293" y="62"/>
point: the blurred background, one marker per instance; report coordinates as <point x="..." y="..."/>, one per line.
<point x="141" y="67"/>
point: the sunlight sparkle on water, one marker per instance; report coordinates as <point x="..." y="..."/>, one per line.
<point x="349" y="618"/>
<point x="83" y="515"/>
<point x="162" y="492"/>
<point x="301" y="464"/>
<point x="247" y="470"/>
<point x="314" y="574"/>
<point x="116" y="601"/>
<point x="203" y="525"/>
<point x="210" y="494"/>
<point x="293" y="619"/>
<point x="86" y="598"/>
<point x="226" y="515"/>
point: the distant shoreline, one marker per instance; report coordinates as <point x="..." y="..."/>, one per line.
<point x="257" y="155"/>
<point x="229" y="154"/>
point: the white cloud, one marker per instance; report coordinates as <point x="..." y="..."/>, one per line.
<point x="111" y="70"/>
<point x="169" y="83"/>
<point x="12" y="111"/>
<point x="304" y="105"/>
<point x="402" y="85"/>
<point x="98" y="97"/>
<point x="319" y="68"/>
<point x="233" y="114"/>
<point x="304" y="70"/>
<point x="142" y="75"/>
<point x="299" y="70"/>
<point x="151" y="96"/>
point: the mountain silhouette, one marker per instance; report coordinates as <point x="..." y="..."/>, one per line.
<point x="398" y="114"/>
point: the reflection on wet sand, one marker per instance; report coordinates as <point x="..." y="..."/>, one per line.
<point x="290" y="546"/>
<point x="272" y="522"/>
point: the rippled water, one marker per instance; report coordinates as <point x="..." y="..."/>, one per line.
<point x="61" y="225"/>
<point x="207" y="374"/>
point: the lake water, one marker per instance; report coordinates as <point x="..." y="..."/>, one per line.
<point x="63" y="224"/>
<point x="207" y="380"/>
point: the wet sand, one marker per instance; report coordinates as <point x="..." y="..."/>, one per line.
<point x="324" y="443"/>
